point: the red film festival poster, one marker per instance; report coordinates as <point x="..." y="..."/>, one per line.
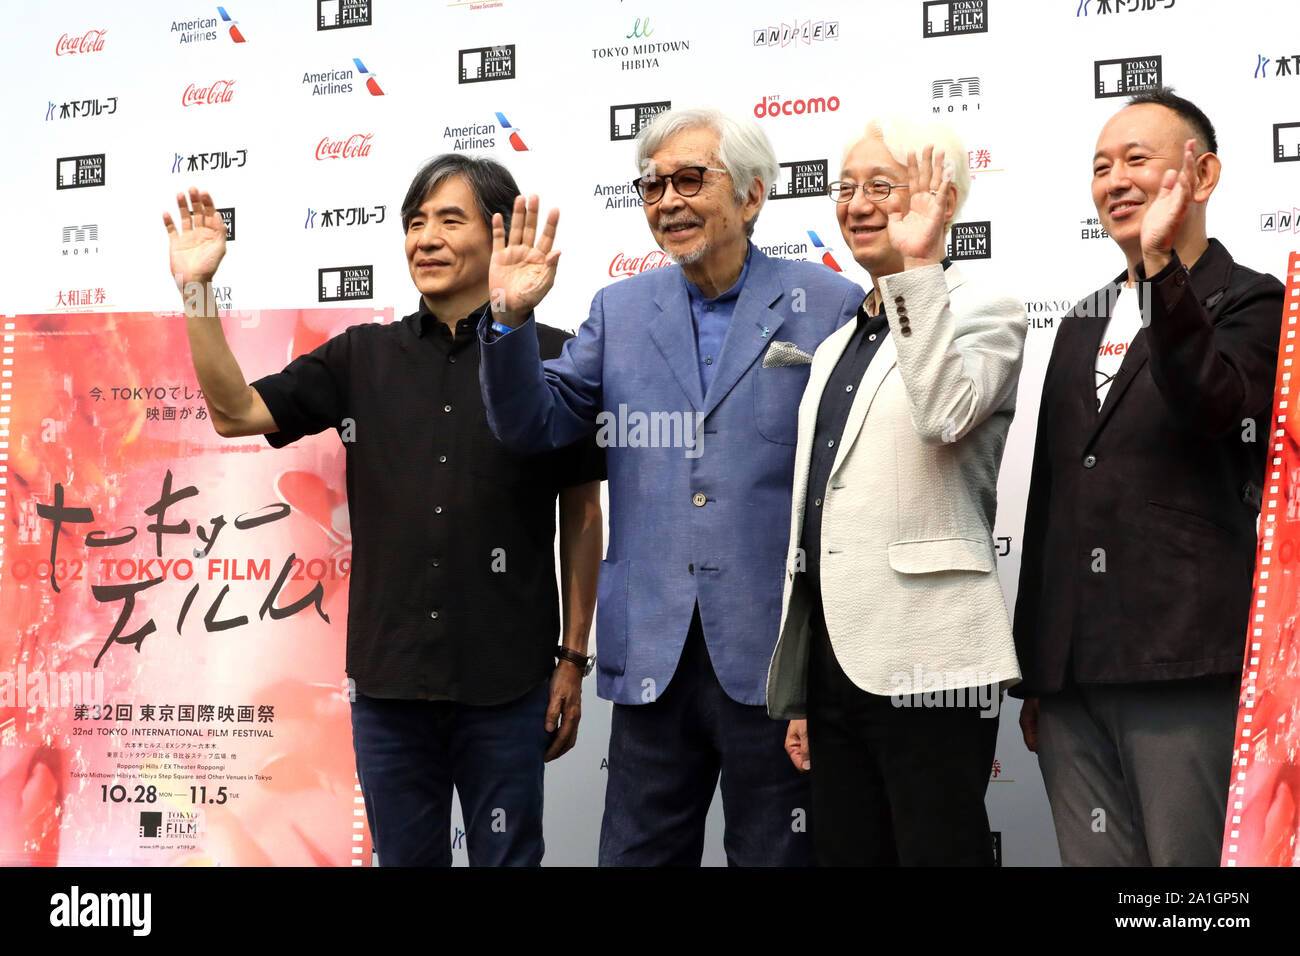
<point x="1263" y="825"/>
<point x="171" y="691"/>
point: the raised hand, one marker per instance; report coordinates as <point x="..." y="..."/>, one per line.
<point x="1167" y="211"/>
<point x="917" y="234"/>
<point x="521" y="272"/>
<point x="197" y="247"/>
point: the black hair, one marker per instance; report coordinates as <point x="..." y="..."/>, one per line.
<point x="1191" y="114"/>
<point x="493" y="187"/>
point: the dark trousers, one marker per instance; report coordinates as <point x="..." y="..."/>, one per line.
<point x="410" y="753"/>
<point x="664" y="761"/>
<point x="894" y="785"/>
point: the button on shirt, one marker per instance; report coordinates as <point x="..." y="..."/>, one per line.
<point x="711" y="318"/>
<point x="452" y="592"/>
<point x="832" y="415"/>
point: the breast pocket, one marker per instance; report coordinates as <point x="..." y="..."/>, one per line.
<point x="777" y="392"/>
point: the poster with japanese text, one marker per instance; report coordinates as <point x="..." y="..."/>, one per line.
<point x="173" y="606"/>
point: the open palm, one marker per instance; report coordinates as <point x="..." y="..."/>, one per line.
<point x="198" y="245"/>
<point x="917" y="234"/>
<point x="521" y="272"/>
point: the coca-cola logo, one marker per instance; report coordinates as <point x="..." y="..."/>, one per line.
<point x="90" y="42"/>
<point x="358" y="144"/>
<point x="219" y="92"/>
<point x="627" y="266"/>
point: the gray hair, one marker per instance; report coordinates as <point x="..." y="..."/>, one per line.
<point x="902" y="136"/>
<point x="744" y="150"/>
<point x="493" y="187"/>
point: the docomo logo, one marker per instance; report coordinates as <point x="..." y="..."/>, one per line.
<point x="623" y="266"/>
<point x="774" y="106"/>
<point x="92" y="42"/>
<point x="219" y="92"/>
<point x="358" y="144"/>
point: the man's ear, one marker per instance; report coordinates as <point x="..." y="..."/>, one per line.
<point x="1208" y="169"/>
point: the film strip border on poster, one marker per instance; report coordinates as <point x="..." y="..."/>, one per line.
<point x="1269" y="603"/>
<point x="6" y="404"/>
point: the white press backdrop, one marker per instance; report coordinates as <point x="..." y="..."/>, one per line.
<point x="1028" y="93"/>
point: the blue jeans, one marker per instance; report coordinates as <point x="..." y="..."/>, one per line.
<point x="410" y="753"/>
<point x="664" y="761"/>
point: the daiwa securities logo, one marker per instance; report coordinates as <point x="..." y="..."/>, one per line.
<point x="802" y="251"/>
<point x="335" y="82"/>
<point x="206" y="29"/>
<point x="970" y="240"/>
<point x="775" y="106"/>
<point x="1126" y="77"/>
<point x="228" y="217"/>
<point x="627" y="120"/>
<point x="78" y="172"/>
<point x="1286" y="142"/>
<point x="945" y="18"/>
<point x="219" y="92"/>
<point x="340" y="14"/>
<point x="622" y="266"/>
<point x="356" y="146"/>
<point x="92" y="41"/>
<point x="81" y="240"/>
<point x="1286" y="66"/>
<point x="798" y="33"/>
<point x="1283" y="220"/>
<point x="345" y="283"/>
<point x="484" y="63"/>
<point x="958" y="95"/>
<point x="800" y="179"/>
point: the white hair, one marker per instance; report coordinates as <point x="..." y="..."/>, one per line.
<point x="744" y="150"/>
<point x="902" y="136"/>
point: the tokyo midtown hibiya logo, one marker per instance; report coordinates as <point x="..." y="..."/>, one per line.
<point x="344" y="283"/>
<point x="800" y="179"/>
<point x="1286" y="142"/>
<point x="338" y="14"/>
<point x="1127" y="76"/>
<point x="970" y="240"/>
<point x="626" y="121"/>
<point x="945" y="18"/>
<point x="484" y="63"/>
<point x="78" y="172"/>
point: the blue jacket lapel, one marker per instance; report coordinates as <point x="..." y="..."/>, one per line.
<point x="753" y="327"/>
<point x="673" y="332"/>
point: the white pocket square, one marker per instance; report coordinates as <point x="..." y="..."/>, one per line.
<point x="784" y="354"/>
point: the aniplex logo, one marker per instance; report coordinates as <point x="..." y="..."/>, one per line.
<point x="1281" y="221"/>
<point x="1126" y="77"/>
<point x="800" y="179"/>
<point x="944" y="18"/>
<point x="343" y="283"/>
<point x="621" y="265"/>
<point x="338" y="14"/>
<point x="92" y="41"/>
<point x="355" y="146"/>
<point x="970" y="240"/>
<point x="627" y="120"/>
<point x="775" y="106"/>
<point x="484" y="63"/>
<point x="219" y="92"/>
<point x="77" y="172"/>
<point x="965" y="89"/>
<point x="1286" y="142"/>
<point x="806" y="32"/>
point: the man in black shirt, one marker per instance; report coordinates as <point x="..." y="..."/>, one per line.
<point x="453" y="611"/>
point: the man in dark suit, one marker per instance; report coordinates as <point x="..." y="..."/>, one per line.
<point x="1140" y="532"/>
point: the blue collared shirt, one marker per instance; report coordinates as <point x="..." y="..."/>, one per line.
<point x="711" y="318"/>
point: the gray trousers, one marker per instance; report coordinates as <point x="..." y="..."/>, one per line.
<point x="1138" y="774"/>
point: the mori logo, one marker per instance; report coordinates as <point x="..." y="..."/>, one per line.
<point x="627" y="120"/>
<point x="800" y="179"/>
<point x="943" y="18"/>
<point x="343" y="283"/>
<point x="1127" y="76"/>
<point x="338" y="14"/>
<point x="485" y="63"/>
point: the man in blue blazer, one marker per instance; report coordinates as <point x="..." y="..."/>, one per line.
<point x="691" y="376"/>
